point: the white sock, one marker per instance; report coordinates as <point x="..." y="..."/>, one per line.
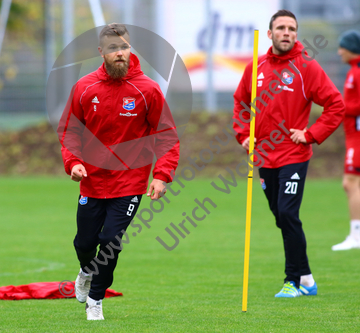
<point x="355" y="229"/>
<point x="91" y="301"/>
<point x="307" y="280"/>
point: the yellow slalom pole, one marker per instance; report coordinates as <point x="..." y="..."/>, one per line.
<point x="250" y="175"/>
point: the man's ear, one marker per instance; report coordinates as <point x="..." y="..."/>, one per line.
<point x="100" y="51"/>
<point x="269" y="34"/>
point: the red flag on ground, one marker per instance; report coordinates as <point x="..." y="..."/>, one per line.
<point x="45" y="290"/>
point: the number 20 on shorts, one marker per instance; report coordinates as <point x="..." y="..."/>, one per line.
<point x="291" y="187"/>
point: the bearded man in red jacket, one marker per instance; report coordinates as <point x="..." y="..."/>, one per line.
<point x="288" y="81"/>
<point x="349" y="50"/>
<point x="115" y="120"/>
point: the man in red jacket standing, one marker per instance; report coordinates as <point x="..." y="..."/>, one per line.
<point x="288" y="82"/>
<point x="349" y="51"/>
<point x="115" y="121"/>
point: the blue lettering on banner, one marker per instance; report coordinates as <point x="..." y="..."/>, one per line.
<point x="83" y="200"/>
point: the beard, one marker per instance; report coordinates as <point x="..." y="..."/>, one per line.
<point x="117" y="71"/>
<point x="281" y="48"/>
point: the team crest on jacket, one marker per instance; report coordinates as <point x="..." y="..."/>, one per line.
<point x="129" y="103"/>
<point x="287" y="78"/>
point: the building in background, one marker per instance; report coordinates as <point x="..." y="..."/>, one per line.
<point x="23" y="72"/>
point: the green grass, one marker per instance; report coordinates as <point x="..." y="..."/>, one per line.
<point x="197" y="287"/>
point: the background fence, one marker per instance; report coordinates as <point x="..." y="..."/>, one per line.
<point x="23" y="63"/>
<point x="37" y="31"/>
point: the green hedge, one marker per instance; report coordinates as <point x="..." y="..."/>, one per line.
<point x="36" y="150"/>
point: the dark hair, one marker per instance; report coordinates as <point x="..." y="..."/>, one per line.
<point x="282" y="12"/>
<point x="113" y="29"/>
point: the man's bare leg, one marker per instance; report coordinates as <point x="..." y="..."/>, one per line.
<point x="351" y="184"/>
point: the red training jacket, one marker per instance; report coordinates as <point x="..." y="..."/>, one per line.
<point x="286" y="98"/>
<point x="114" y="128"/>
<point x="352" y="100"/>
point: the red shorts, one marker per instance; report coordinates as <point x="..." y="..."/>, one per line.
<point x="352" y="157"/>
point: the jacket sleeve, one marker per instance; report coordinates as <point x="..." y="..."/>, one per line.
<point x="242" y="94"/>
<point x="352" y="108"/>
<point x="70" y="130"/>
<point x="323" y="92"/>
<point x="167" y="145"/>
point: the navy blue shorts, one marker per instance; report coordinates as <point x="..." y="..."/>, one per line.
<point x="102" y="222"/>
<point x="284" y="188"/>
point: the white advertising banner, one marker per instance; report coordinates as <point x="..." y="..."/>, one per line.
<point x="232" y="29"/>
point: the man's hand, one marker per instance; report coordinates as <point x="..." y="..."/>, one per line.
<point x="159" y="188"/>
<point x="298" y="136"/>
<point x="246" y="143"/>
<point x="78" y="172"/>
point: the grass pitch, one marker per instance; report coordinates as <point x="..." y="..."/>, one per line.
<point x="197" y="287"/>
